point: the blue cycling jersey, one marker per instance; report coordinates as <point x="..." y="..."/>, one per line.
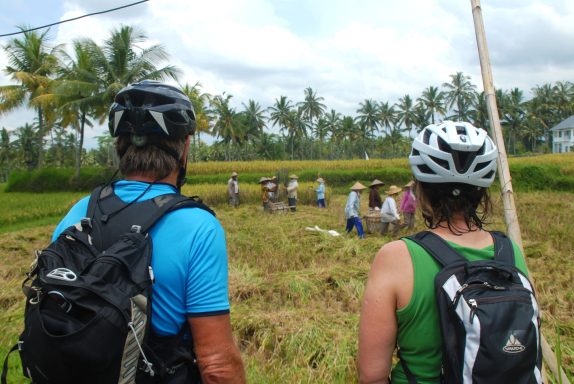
<point x="189" y="259"/>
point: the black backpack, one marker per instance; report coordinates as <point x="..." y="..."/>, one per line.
<point x="88" y="307"/>
<point x="488" y="316"/>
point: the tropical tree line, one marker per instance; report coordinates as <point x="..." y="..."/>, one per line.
<point x="72" y="90"/>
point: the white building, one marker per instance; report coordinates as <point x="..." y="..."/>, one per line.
<point x="563" y="136"/>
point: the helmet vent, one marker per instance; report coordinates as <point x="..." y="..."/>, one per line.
<point x="415" y="152"/>
<point x="463" y="160"/>
<point x="423" y="168"/>
<point x="489" y="175"/>
<point x="442" y="163"/>
<point x="461" y="130"/>
<point x="443" y="145"/>
<point x="426" y="136"/>
<point x="480" y="166"/>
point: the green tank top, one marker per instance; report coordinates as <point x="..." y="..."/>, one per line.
<point x="418" y="327"/>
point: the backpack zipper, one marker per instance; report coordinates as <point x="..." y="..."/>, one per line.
<point x="473" y="303"/>
<point x="483" y="285"/>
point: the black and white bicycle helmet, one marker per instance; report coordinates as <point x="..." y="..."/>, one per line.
<point x="454" y="152"/>
<point x="151" y="107"/>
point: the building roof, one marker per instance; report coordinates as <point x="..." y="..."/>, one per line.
<point x="568" y="123"/>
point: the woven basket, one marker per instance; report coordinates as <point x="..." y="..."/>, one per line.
<point x="373" y="223"/>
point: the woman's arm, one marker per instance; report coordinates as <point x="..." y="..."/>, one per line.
<point x="378" y="323"/>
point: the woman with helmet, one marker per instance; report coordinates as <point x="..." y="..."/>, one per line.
<point x="152" y="123"/>
<point x="453" y="163"/>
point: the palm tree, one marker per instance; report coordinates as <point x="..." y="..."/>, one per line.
<point x="27" y="146"/>
<point x="514" y="116"/>
<point x="121" y="61"/>
<point x="406" y="113"/>
<point x="479" y="115"/>
<point x="433" y="100"/>
<point x="75" y="94"/>
<point x="422" y="116"/>
<point x="563" y="92"/>
<point x="226" y="126"/>
<point x="544" y="110"/>
<point x="368" y="119"/>
<point x="332" y="125"/>
<point x="387" y="116"/>
<point x="200" y="102"/>
<point x="281" y="116"/>
<point x="256" y="117"/>
<point x="460" y="94"/>
<point x="32" y="65"/>
<point x="312" y="107"/>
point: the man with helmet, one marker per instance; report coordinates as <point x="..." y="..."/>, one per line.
<point x="152" y="123"/>
<point x="453" y="163"/>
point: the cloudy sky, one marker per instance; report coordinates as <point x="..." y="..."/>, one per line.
<point x="347" y="51"/>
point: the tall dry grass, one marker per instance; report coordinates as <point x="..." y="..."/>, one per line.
<point x="296" y="294"/>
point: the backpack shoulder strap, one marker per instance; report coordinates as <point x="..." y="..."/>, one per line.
<point x="168" y="203"/>
<point x="437" y="247"/>
<point x="96" y="194"/>
<point x="503" y="249"/>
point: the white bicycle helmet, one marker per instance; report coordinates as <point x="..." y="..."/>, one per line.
<point x="454" y="152"/>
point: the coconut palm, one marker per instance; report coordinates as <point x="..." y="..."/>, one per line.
<point x="312" y="107"/>
<point x="514" y="116"/>
<point x="406" y="113"/>
<point x="75" y="94"/>
<point x="387" y="116"/>
<point x="32" y="64"/>
<point x="434" y="101"/>
<point x="563" y="92"/>
<point x="121" y="61"/>
<point x="282" y="115"/>
<point x="200" y="102"/>
<point x="226" y="125"/>
<point x="479" y="114"/>
<point x="459" y="94"/>
<point x="422" y="116"/>
<point x="27" y="146"/>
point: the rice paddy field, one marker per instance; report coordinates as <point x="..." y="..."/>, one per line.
<point x="295" y="293"/>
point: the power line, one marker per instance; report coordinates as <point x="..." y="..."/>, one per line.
<point x="75" y="18"/>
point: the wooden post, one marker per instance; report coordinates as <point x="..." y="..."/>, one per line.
<point x="510" y="216"/>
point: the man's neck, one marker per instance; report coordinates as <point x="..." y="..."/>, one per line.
<point x="170" y="179"/>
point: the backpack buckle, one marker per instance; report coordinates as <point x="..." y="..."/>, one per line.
<point x="86" y="223"/>
<point x="136" y="229"/>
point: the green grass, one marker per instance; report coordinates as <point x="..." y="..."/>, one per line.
<point x="296" y="294"/>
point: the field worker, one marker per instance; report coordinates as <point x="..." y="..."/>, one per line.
<point x="272" y="188"/>
<point x="320" y="190"/>
<point x="375" y="200"/>
<point x="352" y="209"/>
<point x="264" y="182"/>
<point x="389" y="213"/>
<point x="454" y="203"/>
<point x="408" y="205"/>
<point x="152" y="123"/>
<point x="292" y="192"/>
<point x="233" y="190"/>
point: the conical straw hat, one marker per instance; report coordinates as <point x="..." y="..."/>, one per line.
<point x="263" y="179"/>
<point x="320" y="180"/>
<point x="293" y="177"/>
<point x="393" y="189"/>
<point x="376" y="182"/>
<point x="357" y="186"/>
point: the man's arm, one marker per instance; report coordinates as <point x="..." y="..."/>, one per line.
<point x="217" y="355"/>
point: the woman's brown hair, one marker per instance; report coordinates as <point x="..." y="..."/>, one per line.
<point x="441" y="202"/>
